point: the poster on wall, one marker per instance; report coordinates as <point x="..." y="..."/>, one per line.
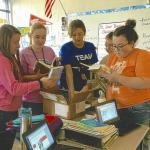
<point x="64" y="25"/>
<point x="143" y="30"/>
<point x="35" y="19"/>
<point x="24" y="41"/>
<point x="2" y="21"/>
<point x="104" y="29"/>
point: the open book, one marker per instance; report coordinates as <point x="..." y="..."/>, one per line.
<point x="97" y="67"/>
<point x="55" y="73"/>
<point x="42" y="67"/>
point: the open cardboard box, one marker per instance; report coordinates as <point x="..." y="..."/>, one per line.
<point x="74" y="108"/>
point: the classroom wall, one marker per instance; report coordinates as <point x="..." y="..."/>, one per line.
<point x="86" y="5"/>
<point x="21" y="10"/>
<point x="142" y="17"/>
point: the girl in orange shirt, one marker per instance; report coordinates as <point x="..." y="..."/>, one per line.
<point x="130" y="77"/>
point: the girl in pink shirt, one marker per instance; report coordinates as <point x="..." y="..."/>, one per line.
<point x="11" y="86"/>
<point x="29" y="56"/>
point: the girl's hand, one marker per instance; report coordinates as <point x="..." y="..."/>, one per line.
<point x="48" y="83"/>
<point x="111" y="77"/>
<point x="40" y="75"/>
<point x="56" y="61"/>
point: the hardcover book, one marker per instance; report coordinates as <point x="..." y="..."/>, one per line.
<point x="42" y="67"/>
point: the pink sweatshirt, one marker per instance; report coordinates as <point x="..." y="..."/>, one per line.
<point x="11" y="90"/>
<point x="28" y="61"/>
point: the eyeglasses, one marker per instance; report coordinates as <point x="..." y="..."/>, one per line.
<point x="119" y="47"/>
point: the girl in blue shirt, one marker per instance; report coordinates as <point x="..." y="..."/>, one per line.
<point x="77" y="51"/>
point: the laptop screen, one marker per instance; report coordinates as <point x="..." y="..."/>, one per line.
<point x="107" y="112"/>
<point x="39" y="138"/>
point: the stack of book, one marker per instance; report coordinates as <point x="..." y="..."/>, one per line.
<point x="99" y="135"/>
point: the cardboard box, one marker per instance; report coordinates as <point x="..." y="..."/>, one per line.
<point x="68" y="111"/>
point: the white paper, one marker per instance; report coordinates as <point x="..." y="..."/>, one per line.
<point x="49" y="96"/>
<point x="61" y="110"/>
<point x="55" y="73"/>
<point x="94" y="67"/>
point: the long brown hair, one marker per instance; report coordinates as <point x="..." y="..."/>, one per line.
<point x="6" y="33"/>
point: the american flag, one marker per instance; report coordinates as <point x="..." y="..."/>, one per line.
<point x="48" y="7"/>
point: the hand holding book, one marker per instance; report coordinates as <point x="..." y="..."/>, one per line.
<point x="112" y="77"/>
<point x="44" y="67"/>
<point x="55" y="73"/>
<point x="56" y="61"/>
<point x="47" y="83"/>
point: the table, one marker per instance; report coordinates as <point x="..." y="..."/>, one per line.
<point x="131" y="140"/>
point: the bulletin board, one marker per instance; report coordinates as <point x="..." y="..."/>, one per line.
<point x="103" y="30"/>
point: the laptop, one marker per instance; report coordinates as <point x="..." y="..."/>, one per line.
<point x="41" y="138"/>
<point x="107" y="113"/>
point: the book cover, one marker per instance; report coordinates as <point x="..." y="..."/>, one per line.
<point x="42" y="67"/>
<point x="97" y="67"/>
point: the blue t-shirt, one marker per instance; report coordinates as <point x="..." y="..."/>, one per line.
<point x="74" y="56"/>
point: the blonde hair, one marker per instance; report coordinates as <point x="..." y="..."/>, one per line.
<point x="37" y="26"/>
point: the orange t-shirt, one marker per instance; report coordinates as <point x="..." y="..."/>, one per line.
<point x="136" y="64"/>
